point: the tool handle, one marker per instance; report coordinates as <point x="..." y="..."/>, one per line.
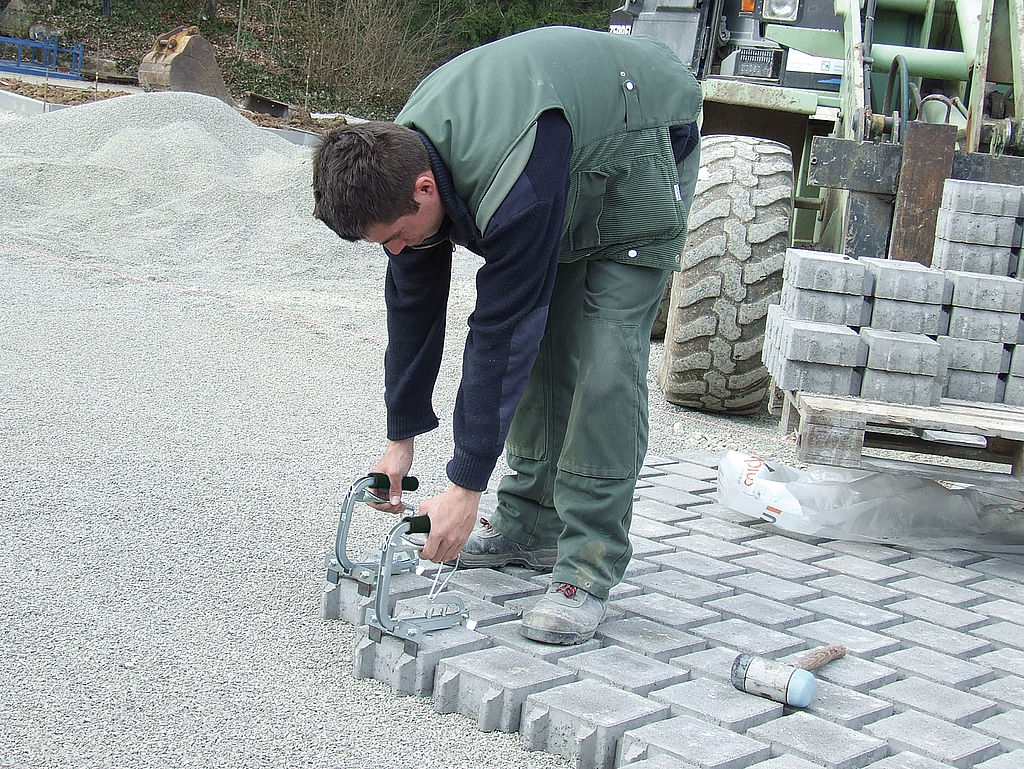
<point x="381" y="481"/>
<point x="818" y="657"/>
<point x="418" y="524"/>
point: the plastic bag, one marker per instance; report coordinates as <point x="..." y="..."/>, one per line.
<point x="839" y="503"/>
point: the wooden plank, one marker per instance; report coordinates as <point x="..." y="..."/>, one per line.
<point x="828" y="445"/>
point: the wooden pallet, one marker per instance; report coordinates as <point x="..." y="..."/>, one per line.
<point x="835" y="430"/>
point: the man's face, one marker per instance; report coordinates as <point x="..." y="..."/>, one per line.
<point x="412" y="229"/>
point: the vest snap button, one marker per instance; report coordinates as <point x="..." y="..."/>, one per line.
<point x="632" y="253"/>
<point x="629" y="85"/>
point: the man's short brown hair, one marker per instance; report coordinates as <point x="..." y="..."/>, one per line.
<point x="364" y="175"/>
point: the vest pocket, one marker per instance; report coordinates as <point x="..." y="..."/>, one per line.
<point x="632" y="200"/>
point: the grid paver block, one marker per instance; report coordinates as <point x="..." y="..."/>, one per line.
<point x="760" y="610"/>
<point x="1013" y="395"/>
<point x="694" y="740"/>
<point x="851" y="672"/>
<point x="822" y="271"/>
<point x="899" y="387"/>
<point x="508" y="634"/>
<point x="644" y="548"/>
<point x="821" y="378"/>
<point x="411" y="670"/>
<point x="1007" y="727"/>
<point x="939" y="667"/>
<point x="870" y="551"/>
<point x="491" y="585"/>
<point x="981" y="197"/>
<point x="941" y="639"/>
<point x="986" y="292"/>
<point x="945" y="702"/>
<point x="846" y="707"/>
<point x="907" y="281"/>
<point x="648" y="528"/>
<point x="694" y="470"/>
<point x="825" y="307"/>
<point x="933" y="738"/>
<point x="954" y="557"/>
<point x="1000" y="567"/>
<point x="1016" y="365"/>
<point x="625" y="668"/>
<point x="783" y="762"/>
<point x="659" y="511"/>
<point x="902" y="352"/>
<point x="1011" y="611"/>
<point x="684" y="587"/>
<point x="713" y="662"/>
<point x="820" y="741"/>
<point x="698" y="565"/>
<point x="666" y="611"/>
<point x="1001" y="588"/>
<point x="905" y="760"/>
<point x="909" y="317"/>
<point x="790" y="548"/>
<point x="778" y="566"/>
<point x="1003" y="634"/>
<point x="853" y="612"/>
<point x="943" y="572"/>
<point x="718" y="702"/>
<point x="937" y="590"/>
<point x="1006" y="691"/>
<point x="967" y="354"/>
<point x="812" y="342"/>
<point x="940" y="613"/>
<point x="652" y="639"/>
<point x="750" y="637"/>
<point x="710" y="546"/>
<point x="492" y="684"/>
<point x="984" y="325"/>
<point x="349" y="599"/>
<point x="985" y="229"/>
<point x="856" y="589"/>
<point x="584" y="721"/>
<point x="972" y="257"/>
<point x="661" y="762"/>
<point x="861" y="641"/>
<point x="638" y="567"/>
<point x="723" y="530"/>
<point x="861" y="568"/>
<point x="682" y="486"/>
<point x="972" y="386"/>
<point x="772" y="587"/>
<point x="1012" y="760"/>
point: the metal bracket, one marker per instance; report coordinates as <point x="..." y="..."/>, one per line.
<point x="439" y="616"/>
<point x="339" y="565"/>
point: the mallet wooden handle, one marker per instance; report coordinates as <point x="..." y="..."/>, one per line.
<point x="818" y="657"/>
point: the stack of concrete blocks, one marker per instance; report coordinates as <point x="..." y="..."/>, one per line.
<point x="979" y="228"/>
<point x="901" y="332"/>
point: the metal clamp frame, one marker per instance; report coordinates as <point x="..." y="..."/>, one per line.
<point x="440" y="616"/>
<point x="338" y="563"/>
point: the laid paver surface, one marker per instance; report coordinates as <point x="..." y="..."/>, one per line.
<point x="934" y="675"/>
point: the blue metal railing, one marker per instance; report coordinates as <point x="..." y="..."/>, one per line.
<point x="40" y="57"/>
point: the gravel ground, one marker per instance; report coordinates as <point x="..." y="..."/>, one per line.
<point x="189" y="380"/>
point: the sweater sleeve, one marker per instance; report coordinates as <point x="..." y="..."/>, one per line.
<point x="416" y="292"/>
<point x="514" y="287"/>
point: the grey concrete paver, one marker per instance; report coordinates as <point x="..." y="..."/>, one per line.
<point x="933" y="677"/>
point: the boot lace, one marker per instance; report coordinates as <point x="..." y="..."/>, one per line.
<point x="569" y="591"/>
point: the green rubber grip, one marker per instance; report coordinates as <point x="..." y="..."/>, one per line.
<point x="418" y="524"/>
<point x="381" y="481"/>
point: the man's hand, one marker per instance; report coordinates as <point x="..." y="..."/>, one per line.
<point x="395" y="464"/>
<point x="452" y="516"/>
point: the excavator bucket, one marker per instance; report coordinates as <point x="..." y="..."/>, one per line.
<point x="183" y="60"/>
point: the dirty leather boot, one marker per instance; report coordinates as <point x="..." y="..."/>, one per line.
<point x="565" y="614"/>
<point x="486" y="548"/>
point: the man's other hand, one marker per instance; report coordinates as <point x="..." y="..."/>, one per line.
<point x="452" y="516"/>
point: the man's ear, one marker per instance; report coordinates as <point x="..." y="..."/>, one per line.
<point x="425" y="185"/>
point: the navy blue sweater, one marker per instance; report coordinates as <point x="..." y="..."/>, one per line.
<point x="514" y="285"/>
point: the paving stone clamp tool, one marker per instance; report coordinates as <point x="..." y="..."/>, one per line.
<point x="339" y="565"/>
<point x="437" y="615"/>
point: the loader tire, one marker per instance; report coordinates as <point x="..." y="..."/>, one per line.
<point x="731" y="272"/>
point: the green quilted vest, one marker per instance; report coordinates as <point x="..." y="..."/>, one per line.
<point x="619" y="94"/>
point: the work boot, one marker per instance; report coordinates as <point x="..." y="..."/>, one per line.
<point x="486" y="548"/>
<point x="565" y="615"/>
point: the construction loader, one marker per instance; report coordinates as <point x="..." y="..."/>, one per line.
<point x="829" y="126"/>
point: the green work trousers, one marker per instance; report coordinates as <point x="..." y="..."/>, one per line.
<point x="579" y="435"/>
